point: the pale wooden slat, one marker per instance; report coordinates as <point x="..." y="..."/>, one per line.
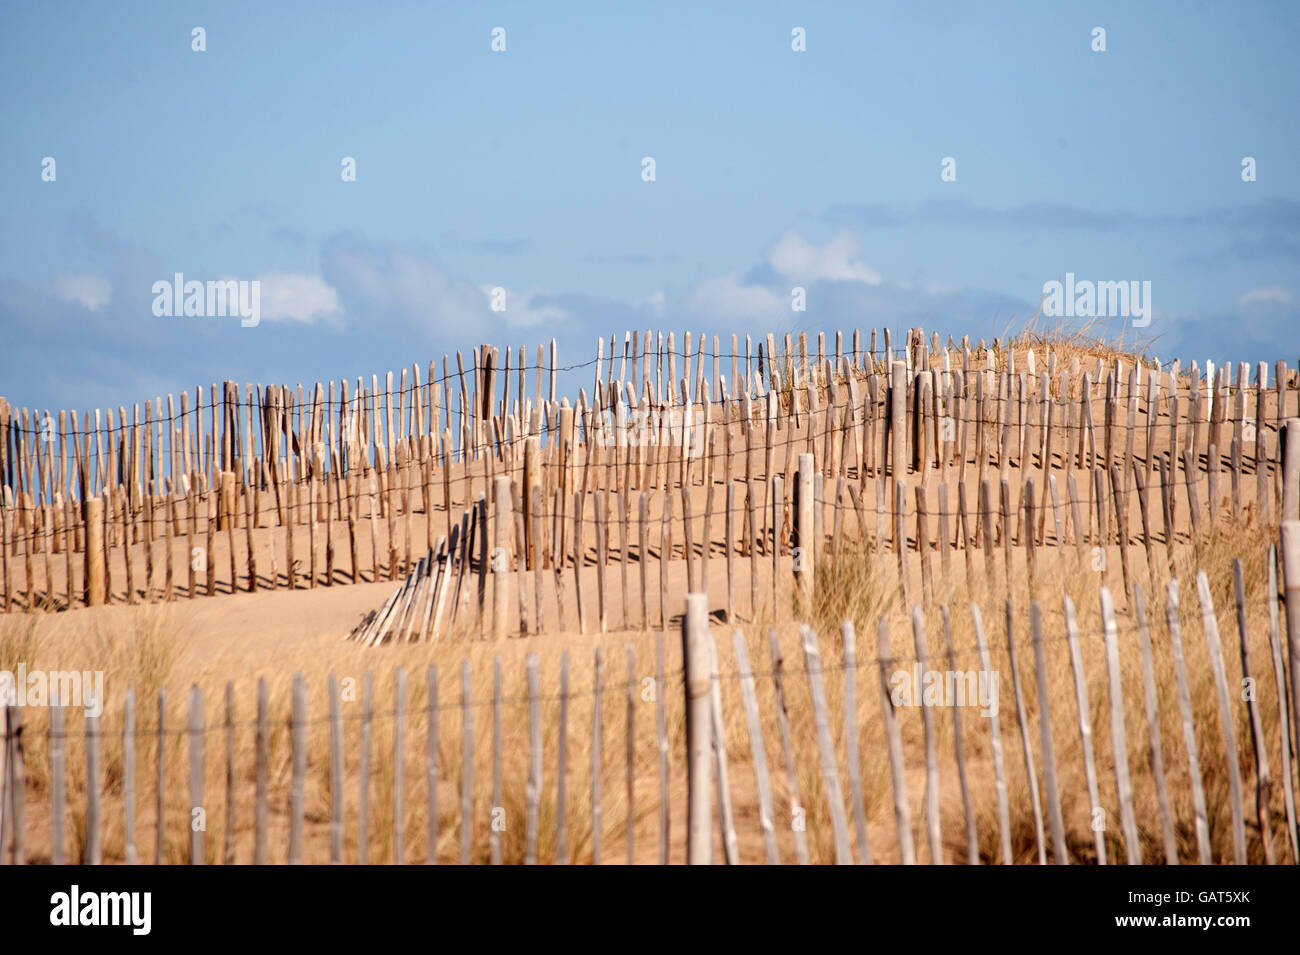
<point x="197" y="809"/>
<point x="1084" y="712"/>
<point x="128" y="781"/>
<point x="661" y="746"/>
<point x="972" y="836"/>
<point x="297" y="791"/>
<point x="894" y="744"/>
<point x="726" y="818"/>
<point x="699" y="730"/>
<point x="467" y="764"/>
<point x="934" y="837"/>
<point x="94" y="851"/>
<point x="630" y="734"/>
<point x="160" y="753"/>
<point x="15" y="788"/>
<point x="1211" y="625"/>
<point x="995" y="736"/>
<point x="533" y="793"/>
<point x="562" y="767"/>
<point x="1202" y="825"/>
<point x="58" y="779"/>
<point x="797" y="813"/>
<point x="494" y="838"/>
<point x="336" y="770"/>
<point x="1060" y="854"/>
<point x="263" y="745"/>
<point x="1291" y="581"/>
<point x="1168" y="838"/>
<point x="399" y="768"/>
<point x="1022" y="717"/>
<point x="1263" y="778"/>
<point x="758" y="749"/>
<point x="1118" y="734"/>
<point x="1283" y="714"/>
<point x="597" y="762"/>
<point x="848" y="640"/>
<point x="363" y="780"/>
<point x="432" y="764"/>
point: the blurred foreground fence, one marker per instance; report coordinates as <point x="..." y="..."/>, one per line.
<point x="683" y="785"/>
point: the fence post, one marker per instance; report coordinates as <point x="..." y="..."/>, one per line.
<point x="803" y="562"/>
<point x="94" y="552"/>
<point x="699" y="735"/>
<point x="501" y="555"/>
<point x="1291" y="470"/>
<point x="1291" y="581"/>
<point x="14" y="788"/>
<point x="898" y="420"/>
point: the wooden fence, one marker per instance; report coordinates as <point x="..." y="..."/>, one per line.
<point x="293" y="488"/>
<point x="693" y="701"/>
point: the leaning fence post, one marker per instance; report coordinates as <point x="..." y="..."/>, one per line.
<point x="15" y="789"/>
<point x="807" y="547"/>
<point x="699" y="735"/>
<point x="1211" y="625"/>
<point x="4" y="746"/>
<point x="894" y="743"/>
<point x="1291" y="581"/>
<point x="825" y="746"/>
<point x="1291" y="470"/>
<point x="1189" y="734"/>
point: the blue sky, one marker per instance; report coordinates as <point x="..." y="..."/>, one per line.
<point x="522" y="169"/>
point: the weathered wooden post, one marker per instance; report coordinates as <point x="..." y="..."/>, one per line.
<point x="226" y="502"/>
<point x="699" y="731"/>
<point x="93" y="512"/>
<point x="1291" y="581"/>
<point x="807" y="547"/>
<point x="501" y="554"/>
<point x="532" y="479"/>
<point x="898" y="420"/>
<point x="1291" y="470"/>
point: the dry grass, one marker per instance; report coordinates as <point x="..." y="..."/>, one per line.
<point x="857" y="586"/>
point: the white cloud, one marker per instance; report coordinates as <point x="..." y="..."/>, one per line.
<point x="727" y="298"/>
<point x="1271" y="294"/>
<point x="837" y="261"/>
<point x="654" y="303"/>
<point x="91" y="291"/>
<point x="381" y="282"/>
<point x="297" y="297"/>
